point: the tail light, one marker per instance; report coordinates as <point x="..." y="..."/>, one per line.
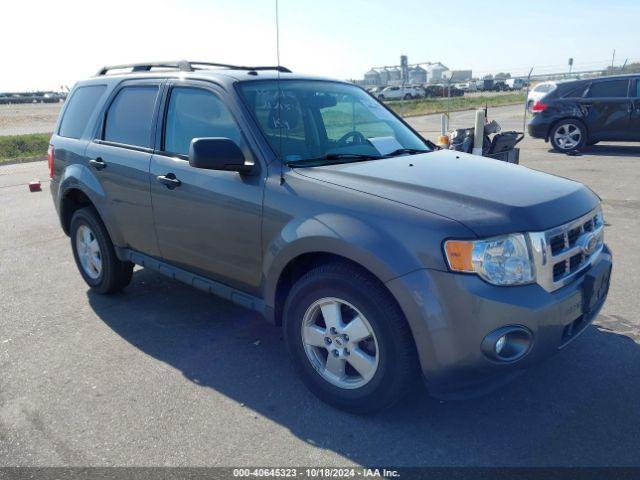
<point x="539" y="106"/>
<point x="50" y="156"/>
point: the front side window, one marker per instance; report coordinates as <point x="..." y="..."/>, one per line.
<point x="81" y="105"/>
<point x="314" y="120"/>
<point x="130" y="116"/>
<point x="196" y="113"/>
<point x="609" y="89"/>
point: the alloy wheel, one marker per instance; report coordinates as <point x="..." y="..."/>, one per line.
<point x="567" y="136"/>
<point x="340" y="343"/>
<point x="89" y="253"/>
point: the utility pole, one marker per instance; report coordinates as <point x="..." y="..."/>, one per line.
<point x="613" y="58"/>
<point x="526" y="99"/>
<point x="570" y="65"/>
<point x="624" y="65"/>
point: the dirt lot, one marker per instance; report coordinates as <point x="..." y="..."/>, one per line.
<point x="163" y="374"/>
<point x="28" y="118"/>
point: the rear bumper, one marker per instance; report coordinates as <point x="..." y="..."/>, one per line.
<point x="451" y="314"/>
<point x="538" y="127"/>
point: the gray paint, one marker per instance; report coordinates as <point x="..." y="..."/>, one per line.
<point x="234" y="234"/>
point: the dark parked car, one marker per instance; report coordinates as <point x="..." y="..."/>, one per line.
<point x="585" y="112"/>
<point x="382" y="258"/>
<point x="440" y="91"/>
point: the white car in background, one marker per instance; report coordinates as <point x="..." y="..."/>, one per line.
<point x="539" y="91"/>
<point x="400" y="93"/>
<point x="466" y="86"/>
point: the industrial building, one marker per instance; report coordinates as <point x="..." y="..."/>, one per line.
<point x="415" y="74"/>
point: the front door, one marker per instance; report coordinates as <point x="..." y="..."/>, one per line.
<point x="120" y="156"/>
<point x="210" y="223"/>
<point x="608" y="110"/>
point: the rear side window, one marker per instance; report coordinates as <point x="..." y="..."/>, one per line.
<point x="543" y="88"/>
<point x="81" y="105"/>
<point x="130" y="116"/>
<point x="196" y="113"/>
<point x="609" y="89"/>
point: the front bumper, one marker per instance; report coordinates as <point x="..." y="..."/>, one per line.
<point x="451" y="314"/>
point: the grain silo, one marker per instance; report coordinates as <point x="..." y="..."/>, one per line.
<point x="435" y="71"/>
<point x="384" y="76"/>
<point x="395" y="75"/>
<point x="418" y="75"/>
<point x="372" y="78"/>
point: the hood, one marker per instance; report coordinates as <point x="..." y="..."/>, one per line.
<point x="488" y="196"/>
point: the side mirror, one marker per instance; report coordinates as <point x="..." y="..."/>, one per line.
<point x="217" y="153"/>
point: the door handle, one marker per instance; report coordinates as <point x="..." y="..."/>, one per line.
<point x="97" y="163"/>
<point x="169" y="180"/>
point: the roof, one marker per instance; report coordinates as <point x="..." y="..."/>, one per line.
<point x="222" y="73"/>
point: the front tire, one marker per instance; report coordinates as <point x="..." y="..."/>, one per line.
<point x="568" y="135"/>
<point x="94" y="254"/>
<point x="348" y="339"/>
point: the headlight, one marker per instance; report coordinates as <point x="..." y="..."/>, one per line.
<point x="501" y="260"/>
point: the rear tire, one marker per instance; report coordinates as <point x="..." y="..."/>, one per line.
<point x="369" y="361"/>
<point x="94" y="254"/>
<point x="568" y="135"/>
<point x="408" y="96"/>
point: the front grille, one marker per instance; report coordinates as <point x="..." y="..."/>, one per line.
<point x="562" y="252"/>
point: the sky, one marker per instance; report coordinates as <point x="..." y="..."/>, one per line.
<point x="45" y="45"/>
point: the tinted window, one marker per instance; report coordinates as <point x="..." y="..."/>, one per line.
<point x="130" y="115"/>
<point x="196" y="113"/>
<point x="81" y="106"/>
<point x="611" y="88"/>
<point x="638" y="88"/>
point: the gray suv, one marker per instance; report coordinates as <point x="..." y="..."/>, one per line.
<point x="384" y="259"/>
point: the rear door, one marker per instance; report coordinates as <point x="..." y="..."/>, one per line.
<point x="635" y="113"/>
<point x="210" y="224"/>
<point x="608" y="109"/>
<point x="121" y="153"/>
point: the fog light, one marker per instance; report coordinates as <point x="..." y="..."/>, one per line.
<point x="507" y="344"/>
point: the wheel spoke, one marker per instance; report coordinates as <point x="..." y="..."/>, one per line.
<point x="86" y="236"/>
<point x="335" y="365"/>
<point x="94" y="247"/>
<point x="332" y="314"/>
<point x="314" y="335"/>
<point x="363" y="363"/>
<point x="357" y="330"/>
<point x="95" y="263"/>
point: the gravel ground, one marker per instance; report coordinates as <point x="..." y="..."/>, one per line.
<point x="28" y="118"/>
<point x="163" y="374"/>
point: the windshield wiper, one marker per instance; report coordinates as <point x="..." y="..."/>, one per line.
<point x="333" y="158"/>
<point x="410" y="151"/>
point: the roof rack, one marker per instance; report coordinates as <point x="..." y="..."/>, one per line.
<point x="183" y="66"/>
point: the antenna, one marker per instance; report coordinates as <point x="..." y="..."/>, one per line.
<point x="279" y="94"/>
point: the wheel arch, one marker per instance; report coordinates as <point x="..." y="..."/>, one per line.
<point x="80" y="188"/>
<point x="553" y="125"/>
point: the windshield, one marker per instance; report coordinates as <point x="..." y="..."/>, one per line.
<point x="307" y="120"/>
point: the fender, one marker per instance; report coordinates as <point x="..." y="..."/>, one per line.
<point x="337" y="234"/>
<point x="80" y="177"/>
